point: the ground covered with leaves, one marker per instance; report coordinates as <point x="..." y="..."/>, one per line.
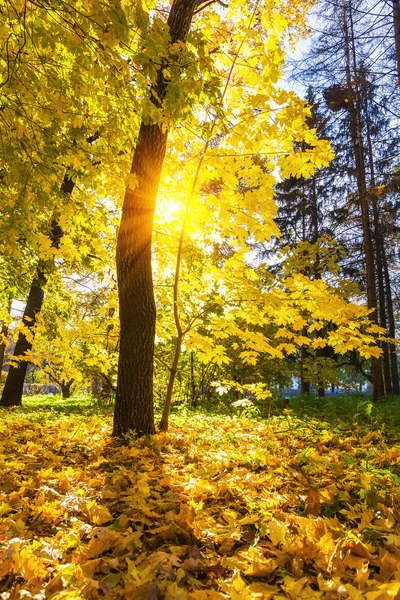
<point x="220" y="507"/>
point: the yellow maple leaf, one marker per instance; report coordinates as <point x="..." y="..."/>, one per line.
<point x="98" y="514"/>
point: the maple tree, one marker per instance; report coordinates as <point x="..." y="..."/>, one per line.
<point x="64" y="87"/>
<point x="244" y="70"/>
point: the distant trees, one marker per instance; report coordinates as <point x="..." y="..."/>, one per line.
<point x="351" y="67"/>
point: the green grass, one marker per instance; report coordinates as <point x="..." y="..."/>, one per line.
<point x="355" y="411"/>
<point x="43" y="406"/>
<point x="350" y="410"/>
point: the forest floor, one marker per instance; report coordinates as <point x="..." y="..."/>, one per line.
<point x="305" y="504"/>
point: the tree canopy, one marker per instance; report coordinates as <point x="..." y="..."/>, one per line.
<point x="192" y="222"/>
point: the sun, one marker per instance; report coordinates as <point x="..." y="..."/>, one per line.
<point x="169" y="209"/>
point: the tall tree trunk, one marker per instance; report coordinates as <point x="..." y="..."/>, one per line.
<point x="379" y="241"/>
<point x="379" y="246"/>
<point x="392" y="326"/>
<point x="396" y="25"/>
<point x="134" y="398"/>
<point x="13" y="387"/>
<point x="358" y="147"/>
<point x="320" y="353"/>
<point x="314" y="217"/>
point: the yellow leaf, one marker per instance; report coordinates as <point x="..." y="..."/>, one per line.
<point x="99" y="514"/>
<point x="131" y="181"/>
<point x="237" y="582"/>
<point x="276" y="532"/>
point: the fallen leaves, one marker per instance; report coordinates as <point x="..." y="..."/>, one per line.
<point x="216" y="509"/>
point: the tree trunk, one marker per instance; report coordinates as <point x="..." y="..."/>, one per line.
<point x="194" y="395"/>
<point x="379" y="242"/>
<point x="134" y="398"/>
<point x="357" y="140"/>
<point x="316" y="267"/>
<point x="396" y="25"/>
<point x="171" y="381"/>
<point x="13" y="387"/>
<point x="304" y="385"/>
<point x="3" y="344"/>
<point x="392" y="326"/>
<point x="66" y="389"/>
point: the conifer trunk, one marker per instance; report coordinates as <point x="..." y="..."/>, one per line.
<point x="379" y="243"/>
<point x="358" y="148"/>
<point x="134" y="397"/>
<point x="392" y="326"/>
<point x="13" y="387"/>
<point x="320" y="353"/>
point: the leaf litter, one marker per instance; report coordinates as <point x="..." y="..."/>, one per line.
<point x="217" y="508"/>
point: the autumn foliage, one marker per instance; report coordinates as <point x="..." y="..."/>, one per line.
<point x="287" y="508"/>
<point x="148" y="152"/>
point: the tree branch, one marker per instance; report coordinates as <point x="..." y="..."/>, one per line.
<point x="202" y="4"/>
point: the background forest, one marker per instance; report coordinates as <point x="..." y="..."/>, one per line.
<point x="251" y="302"/>
<point x="199" y="222"/>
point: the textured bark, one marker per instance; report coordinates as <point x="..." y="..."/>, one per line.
<point x="134" y="398"/>
<point x="358" y="148"/>
<point x="382" y="297"/>
<point x="392" y="326"/>
<point x="13" y="387"/>
<point x="396" y="25"/>
<point x="379" y="246"/>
